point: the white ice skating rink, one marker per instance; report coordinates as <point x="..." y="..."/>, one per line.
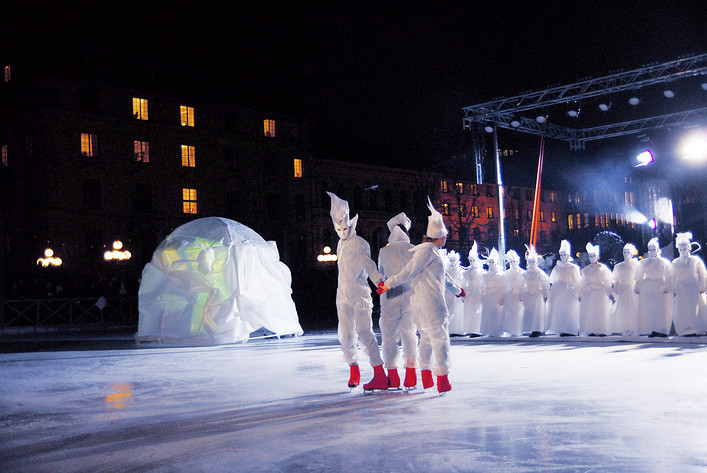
<point x="548" y="405"/>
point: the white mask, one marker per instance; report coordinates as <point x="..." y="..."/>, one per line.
<point x="593" y="257"/>
<point x="684" y="251"/>
<point x="342" y="231"/>
<point x="652" y="252"/>
<point x="628" y="256"/>
<point x="564" y="257"/>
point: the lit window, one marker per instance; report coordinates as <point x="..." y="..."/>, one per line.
<point x="570" y="222"/>
<point x="475" y="211"/>
<point x="516" y="214"/>
<point x="552" y="196"/>
<point x="542" y="215"/>
<point x="578" y="220"/>
<point x="187" y="115"/>
<point x="140" y="108"/>
<point x="489" y="212"/>
<point x="189" y="200"/>
<point x="445" y="209"/>
<point x="298" y="168"/>
<point x="8" y="73"/>
<point x="269" y="128"/>
<point x="553" y="217"/>
<point x="516" y="232"/>
<point x="142" y="151"/>
<point x="443" y="187"/>
<point x="460" y="187"/>
<point x="474" y="189"/>
<point x="89" y="144"/>
<point x="188" y="156"/>
<point x="4" y="155"/>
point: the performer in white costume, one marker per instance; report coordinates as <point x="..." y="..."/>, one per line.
<point x="563" y="302"/>
<point x="472" y="285"/>
<point x="426" y="273"/>
<point x="595" y="295"/>
<point x="492" y="290"/>
<point x="653" y="286"/>
<point x="512" y="310"/>
<point x="689" y="286"/>
<point x="536" y="290"/>
<point x="354" y="303"/>
<point x="624" y="312"/>
<point x="396" y="320"/>
<point x="455" y="304"/>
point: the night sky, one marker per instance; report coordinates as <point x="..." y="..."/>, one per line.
<point x="379" y="82"/>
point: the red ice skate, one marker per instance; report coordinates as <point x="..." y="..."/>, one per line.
<point x="379" y="381"/>
<point x="427" y="380"/>
<point x="393" y="379"/>
<point x="355" y="377"/>
<point x="443" y="384"/>
<point x="410" y="378"/>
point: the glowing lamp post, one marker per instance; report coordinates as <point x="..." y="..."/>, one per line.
<point x="117" y="254"/>
<point x="326" y="256"/>
<point x="49" y="259"/>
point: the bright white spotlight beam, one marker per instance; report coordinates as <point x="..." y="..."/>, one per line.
<point x="644" y="158"/>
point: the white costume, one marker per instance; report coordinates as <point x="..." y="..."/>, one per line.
<point x="595" y="295"/>
<point x="653" y="286"/>
<point x="354" y="303"/>
<point x="512" y="310"/>
<point x="472" y="285"/>
<point x="396" y="321"/>
<point x="624" y="313"/>
<point x="426" y="275"/>
<point x="455" y="305"/>
<point x="492" y="297"/>
<point x="536" y="290"/>
<point x="563" y="302"/>
<point x="689" y="286"/>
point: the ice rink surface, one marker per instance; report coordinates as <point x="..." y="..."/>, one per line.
<point x="547" y="405"/>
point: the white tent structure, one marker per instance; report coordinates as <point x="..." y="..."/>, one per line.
<point x="215" y="281"/>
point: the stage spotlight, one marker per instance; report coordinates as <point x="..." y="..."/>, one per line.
<point x="693" y="146"/>
<point x="704" y="86"/>
<point x="669" y="94"/>
<point x="574" y="110"/>
<point x="541" y="118"/>
<point x="488" y="129"/>
<point x="605" y="107"/>
<point x="634" y="101"/>
<point x="515" y="123"/>
<point x="644" y="158"/>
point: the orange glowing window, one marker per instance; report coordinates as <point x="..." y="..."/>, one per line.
<point x="443" y="186"/>
<point x="553" y="217"/>
<point x="445" y="209"/>
<point x="489" y="212"/>
<point x="460" y="187"/>
<point x="187" y="115"/>
<point x="142" y="151"/>
<point x="140" y="108"/>
<point x="298" y="168"/>
<point x="188" y="156"/>
<point x="475" y="211"/>
<point x="269" y="128"/>
<point x="189" y="200"/>
<point x="570" y="222"/>
<point x="8" y="73"/>
<point x="89" y="144"/>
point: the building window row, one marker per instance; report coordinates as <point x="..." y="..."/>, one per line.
<point x="141" y="111"/>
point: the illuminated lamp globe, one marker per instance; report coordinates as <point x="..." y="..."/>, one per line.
<point x="669" y="94"/>
<point x="117" y="245"/>
<point x="634" y="101"/>
<point x="541" y="119"/>
<point x="515" y="123"/>
<point x="604" y="107"/>
<point x="48" y="253"/>
<point x="488" y="129"/>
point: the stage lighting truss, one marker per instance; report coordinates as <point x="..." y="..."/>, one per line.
<point x="506" y="112"/>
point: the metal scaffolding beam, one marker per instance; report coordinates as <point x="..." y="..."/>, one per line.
<point x="501" y="112"/>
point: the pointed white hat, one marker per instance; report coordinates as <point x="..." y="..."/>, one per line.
<point x="435" y="223"/>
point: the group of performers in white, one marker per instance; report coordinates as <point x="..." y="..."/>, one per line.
<point x="424" y="288"/>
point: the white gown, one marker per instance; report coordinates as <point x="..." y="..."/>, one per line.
<point x="473" y="280"/>
<point x="563" y="302"/>
<point x="535" y="290"/>
<point x="512" y="310"/>
<point x="396" y="320"/>
<point x="653" y="285"/>
<point x="624" y="312"/>
<point x="354" y="303"/>
<point x="595" y="305"/>
<point x="689" y="285"/>
<point x="455" y="305"/>
<point x="426" y="275"/>
<point x="491" y="303"/>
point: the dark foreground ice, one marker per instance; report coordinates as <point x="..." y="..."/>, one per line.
<point x="553" y="405"/>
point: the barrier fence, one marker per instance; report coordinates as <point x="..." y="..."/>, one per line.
<point x="69" y="313"/>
